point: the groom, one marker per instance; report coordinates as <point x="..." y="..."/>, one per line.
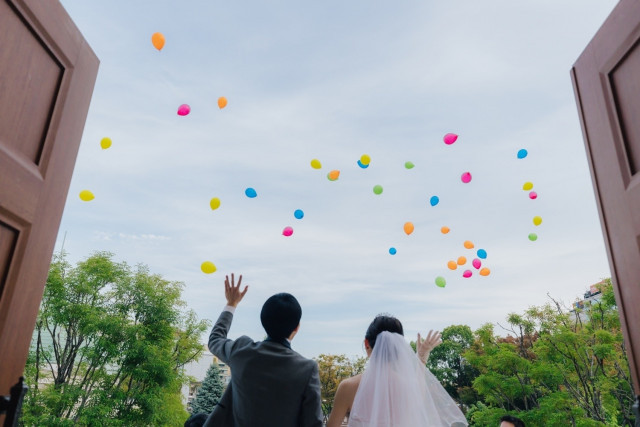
<point x="271" y="385"/>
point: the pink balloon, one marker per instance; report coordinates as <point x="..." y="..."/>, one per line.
<point x="183" y="110"/>
<point x="467" y="274"/>
<point x="476" y="263"/>
<point x="533" y="195"/>
<point x="450" y="138"/>
<point x="466" y="177"/>
<point x="288" y="231"/>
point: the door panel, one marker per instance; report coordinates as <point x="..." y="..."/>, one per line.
<point x="47" y="74"/>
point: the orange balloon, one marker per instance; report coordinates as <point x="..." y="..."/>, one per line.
<point x="408" y="227"/>
<point x="462" y="260"/>
<point x="452" y="265"/>
<point x="445" y="230"/>
<point x="222" y="102"/>
<point x="468" y="244"/>
<point x="334" y="174"/>
<point x="485" y="271"/>
<point x="158" y="40"/>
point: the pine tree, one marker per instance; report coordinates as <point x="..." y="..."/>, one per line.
<point x="210" y="392"/>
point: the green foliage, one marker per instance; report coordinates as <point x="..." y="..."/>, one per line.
<point x="333" y="369"/>
<point x="108" y="348"/>
<point x="209" y="393"/>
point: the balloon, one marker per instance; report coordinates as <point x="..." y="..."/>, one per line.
<point x="250" y="193"/>
<point x="452" y="265"/>
<point x="392" y="251"/>
<point x="214" y="203"/>
<point x="445" y="230"/>
<point x="450" y="138"/>
<point x="158" y="40"/>
<point x="222" y="102"/>
<point x="288" y="231"/>
<point x="434" y="200"/>
<point x="183" y="110"/>
<point x="533" y="195"/>
<point x="377" y="189"/>
<point x="315" y="163"/>
<point x="522" y="153"/>
<point x="462" y="260"/>
<point x="476" y="263"/>
<point x="481" y="253"/>
<point x="333" y="175"/>
<point x="537" y="220"/>
<point x="408" y="227"/>
<point x="363" y="166"/>
<point x="86" y="196"/>
<point x="105" y="143"/>
<point x="365" y="159"/>
<point x="298" y="214"/>
<point x="533" y="237"/>
<point x="208" y="267"/>
<point x="409" y="165"/>
<point x="468" y="244"/>
<point x="527" y="186"/>
<point x="440" y="282"/>
<point x="466" y="177"/>
<point x="467" y="274"/>
<point x="485" y="271"/>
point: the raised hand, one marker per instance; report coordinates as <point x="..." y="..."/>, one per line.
<point x="425" y="345"/>
<point x="232" y="292"/>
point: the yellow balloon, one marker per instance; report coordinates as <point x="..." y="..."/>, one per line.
<point x="105" y="143"/>
<point x="527" y="186"/>
<point x="365" y="159"/>
<point x="214" y="203"/>
<point x="408" y="227"/>
<point x="158" y="40"/>
<point x="537" y="220"/>
<point x="315" y="163"/>
<point x="208" y="267"/>
<point x="86" y="196"/>
<point x="222" y="102"/>
<point x="468" y="244"/>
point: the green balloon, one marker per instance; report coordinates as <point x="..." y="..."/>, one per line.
<point x="533" y="237"/>
<point x="409" y="165"/>
<point x="440" y="282"/>
<point x="377" y="189"/>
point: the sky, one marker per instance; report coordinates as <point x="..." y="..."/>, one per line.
<point x="333" y="81"/>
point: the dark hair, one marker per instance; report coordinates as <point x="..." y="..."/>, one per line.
<point x="517" y="422"/>
<point x="196" y="420"/>
<point x="280" y="315"/>
<point x="382" y="323"/>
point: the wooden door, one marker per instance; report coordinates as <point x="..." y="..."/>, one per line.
<point x="47" y="74"/>
<point x="606" y="79"/>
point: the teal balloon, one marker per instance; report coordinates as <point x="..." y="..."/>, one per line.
<point x="522" y="153"/>
<point x="434" y="200"/>
<point x="441" y="282"/>
<point x="482" y="253"/>
<point x="298" y="214"/>
<point x="250" y="193"/>
<point x="392" y="251"/>
<point x="363" y="166"/>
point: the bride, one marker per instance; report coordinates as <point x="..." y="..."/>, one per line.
<point x="396" y="389"/>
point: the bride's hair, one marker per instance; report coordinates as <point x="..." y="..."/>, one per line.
<point x="381" y="323"/>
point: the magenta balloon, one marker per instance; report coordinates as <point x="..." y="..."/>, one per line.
<point x="288" y="231"/>
<point x="467" y="274"/>
<point x="466" y="177"/>
<point x="476" y="263"/>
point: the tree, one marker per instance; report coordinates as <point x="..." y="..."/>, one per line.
<point x="209" y="393"/>
<point x="108" y="347"/>
<point x="333" y="369"/>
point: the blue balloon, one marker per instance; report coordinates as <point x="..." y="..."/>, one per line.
<point x="434" y="200"/>
<point x="298" y="214"/>
<point x="250" y="192"/>
<point x="392" y="251"/>
<point x="362" y="165"/>
<point x="482" y="253"/>
<point x="522" y="153"/>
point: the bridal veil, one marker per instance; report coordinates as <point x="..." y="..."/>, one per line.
<point x="396" y="390"/>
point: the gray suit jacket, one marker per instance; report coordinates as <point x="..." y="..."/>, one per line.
<point x="271" y="385"/>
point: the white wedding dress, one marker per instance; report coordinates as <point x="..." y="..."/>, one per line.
<point x="397" y="390"/>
